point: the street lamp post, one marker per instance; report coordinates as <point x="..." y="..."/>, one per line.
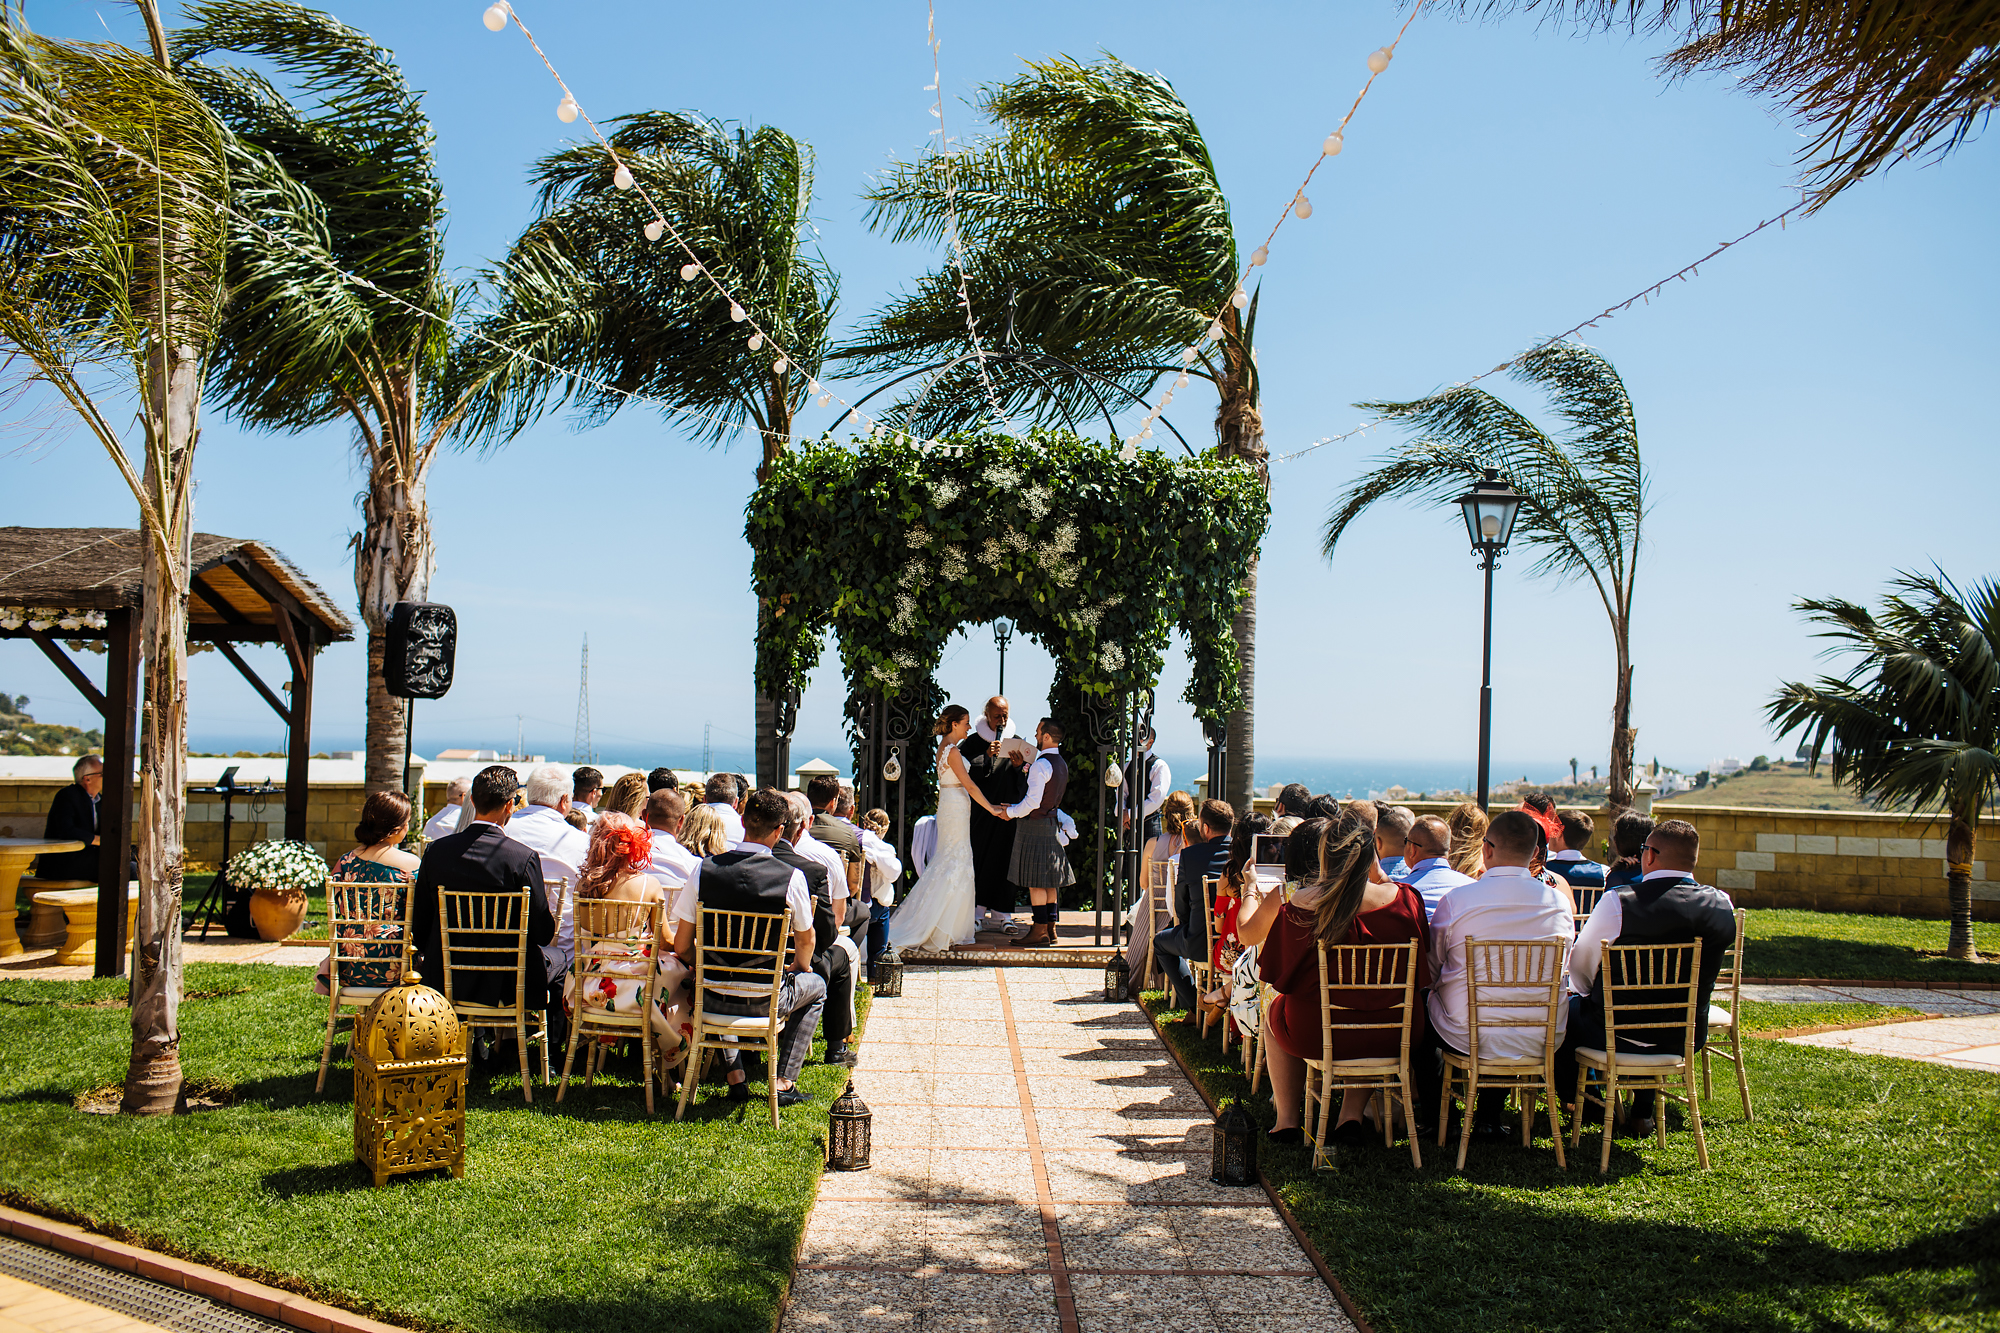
<point x="1003" y="630"/>
<point x="1490" y="508"/>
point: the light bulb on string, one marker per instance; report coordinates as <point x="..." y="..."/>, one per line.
<point x="688" y="271"/>
<point x="1129" y="454"/>
<point x="854" y="417"/>
<point x="1304" y="206"/>
<point x="497" y="16"/>
<point x="1181" y="380"/>
<point x="738" y="313"/>
<point x="1167" y="399"/>
<point x="1334" y="143"/>
<point x="1215" y="332"/>
<point x="1379" y="60"/>
<point x="1259" y="256"/>
<point x="566" y="110"/>
<point x="622" y="177"/>
<point x="1241" y="299"/>
<point x="825" y="398"/>
<point x="756" y="341"/>
<point x="1146" y="434"/>
<point x="1188" y="354"/>
<point x="655" y="229"/>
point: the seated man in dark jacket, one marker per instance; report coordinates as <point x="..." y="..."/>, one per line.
<point x="484" y="858"/>
<point x="1667" y="906"/>
<point x="832" y="962"/>
<point x="73" y="818"/>
<point x="1188" y="936"/>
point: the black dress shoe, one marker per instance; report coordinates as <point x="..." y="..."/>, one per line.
<point x="740" y="1092"/>
<point x="1351" y="1134"/>
<point x="1290" y="1138"/>
<point x="792" y="1097"/>
<point x="839" y="1054"/>
<point x="1637" y="1127"/>
<point x="1490" y="1131"/>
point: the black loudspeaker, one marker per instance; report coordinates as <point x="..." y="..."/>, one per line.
<point x="422" y="647"/>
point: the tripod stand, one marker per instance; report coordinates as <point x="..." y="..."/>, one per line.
<point x="216" y="904"/>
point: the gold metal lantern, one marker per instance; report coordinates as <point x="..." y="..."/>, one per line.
<point x="409" y="1083"/>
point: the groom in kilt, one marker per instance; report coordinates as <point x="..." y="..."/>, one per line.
<point x="1039" y="864"/>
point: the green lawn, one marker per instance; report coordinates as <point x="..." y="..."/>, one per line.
<point x="1866" y="1196"/>
<point x="1781" y="942"/>
<point x="583" y="1216"/>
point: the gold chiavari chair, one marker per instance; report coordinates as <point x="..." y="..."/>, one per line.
<point x="616" y="942"/>
<point x="1510" y="984"/>
<point x="1722" y="1019"/>
<point x="740" y="955"/>
<point x="1648" y="989"/>
<point x="485" y="932"/>
<point x="1391" y="971"/>
<point x="1159" y="896"/>
<point x="365" y="923"/>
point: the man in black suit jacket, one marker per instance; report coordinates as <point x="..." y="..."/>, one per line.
<point x="830" y="961"/>
<point x="73" y="818"/>
<point x="483" y="857"/>
<point x="1188" y="936"/>
<point x="1003" y="782"/>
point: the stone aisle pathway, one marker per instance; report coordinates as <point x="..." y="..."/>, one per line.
<point x="1040" y="1165"/>
<point x="1966" y="1036"/>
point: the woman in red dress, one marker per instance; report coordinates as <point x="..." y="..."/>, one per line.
<point x="1350" y="902"/>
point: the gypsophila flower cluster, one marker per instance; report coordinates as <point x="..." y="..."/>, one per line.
<point x="281" y="867"/>
<point x="50" y="617"/>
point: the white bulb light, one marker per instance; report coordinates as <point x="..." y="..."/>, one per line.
<point x="738" y="313"/>
<point x="1146" y="434"/>
<point x="825" y="398"/>
<point x="1166" y="400"/>
<point x="1379" y="60"/>
<point x="854" y="417"/>
<point x="1241" y="299"/>
<point x="1304" y="206"/>
<point x="497" y="16"/>
<point x="1215" y="332"/>
<point x="655" y="229"/>
<point x="1334" y="143"/>
<point x="688" y="271"/>
<point x="566" y="110"/>
<point x="1129" y="453"/>
<point x="622" y="177"/>
<point x="1489" y="527"/>
<point x="1188" y="354"/>
<point x="780" y="366"/>
<point x="1259" y="256"/>
<point x="756" y="341"/>
<point x="1180" y="380"/>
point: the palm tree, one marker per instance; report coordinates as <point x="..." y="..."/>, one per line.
<point x="347" y="185"/>
<point x="1916" y="722"/>
<point x="114" y="195"/>
<point x="584" y="288"/>
<point x="1874" y="82"/>
<point x="1585" y="490"/>
<point x="1095" y="221"/>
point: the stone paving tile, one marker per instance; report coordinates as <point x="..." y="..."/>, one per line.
<point x="1978" y="1057"/>
<point x="1939" y="1040"/>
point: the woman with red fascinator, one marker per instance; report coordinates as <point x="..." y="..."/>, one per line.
<point x="620" y="852"/>
<point x="1543" y="811"/>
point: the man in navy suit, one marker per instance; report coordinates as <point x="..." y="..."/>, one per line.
<point x="1188" y="936"/>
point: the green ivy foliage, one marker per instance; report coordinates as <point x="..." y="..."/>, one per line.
<point x="894" y="545"/>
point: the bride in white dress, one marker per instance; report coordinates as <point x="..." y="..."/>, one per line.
<point x="937" y="913"/>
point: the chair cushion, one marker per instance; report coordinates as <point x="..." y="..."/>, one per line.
<point x="734" y="1022"/>
<point x="1719" y="1017"/>
<point x="1345" y="1066"/>
<point x="361" y="992"/>
<point x="1596" y="1060"/>
<point x="1457" y="1061"/>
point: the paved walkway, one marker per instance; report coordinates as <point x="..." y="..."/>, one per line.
<point x="1040" y="1165"/>
<point x="1965" y="1036"/>
<point x="40" y="964"/>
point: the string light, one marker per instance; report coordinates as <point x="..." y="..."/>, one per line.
<point x="566" y="110"/>
<point x="497" y="16"/>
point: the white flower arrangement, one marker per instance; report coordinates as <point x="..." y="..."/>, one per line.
<point x="1112" y="657"/>
<point x="281" y="867"/>
<point x="944" y="491"/>
<point x="951" y="567"/>
<point x="917" y="537"/>
<point x="992" y="553"/>
<point x="51" y="617"/>
<point x="1036" y="500"/>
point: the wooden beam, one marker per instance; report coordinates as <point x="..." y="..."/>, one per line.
<point x="251" y="633"/>
<point x="271" y="697"/>
<point x="298" y="750"/>
<point x="281" y="602"/>
<point x="220" y="603"/>
<point x="114" y="804"/>
<point x="84" y="684"/>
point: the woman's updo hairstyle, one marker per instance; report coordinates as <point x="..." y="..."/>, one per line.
<point x="381" y="815"/>
<point x="952" y="715"/>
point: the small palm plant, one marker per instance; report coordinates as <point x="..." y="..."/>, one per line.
<point x="1916" y="721"/>
<point x="1585" y="492"/>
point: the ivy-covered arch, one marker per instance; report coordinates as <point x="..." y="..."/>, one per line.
<point x="893" y="545"/>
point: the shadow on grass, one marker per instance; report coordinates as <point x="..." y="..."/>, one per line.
<point x="1817" y="956"/>
<point x="296" y="1182"/>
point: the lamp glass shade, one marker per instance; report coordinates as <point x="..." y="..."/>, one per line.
<point x="1117" y="979"/>
<point x="1490" y="509"/>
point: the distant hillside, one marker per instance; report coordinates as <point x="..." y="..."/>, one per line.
<point x="1782" y="786"/>
<point x="21" y="734"/>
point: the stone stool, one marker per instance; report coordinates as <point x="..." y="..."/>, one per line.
<point x="45" y="921"/>
<point x="79" y="909"/>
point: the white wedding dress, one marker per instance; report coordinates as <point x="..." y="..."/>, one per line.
<point x="938" y="910"/>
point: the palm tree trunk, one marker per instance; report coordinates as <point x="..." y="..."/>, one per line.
<point x="393" y="562"/>
<point x="1959" y="847"/>
<point x="1239" y="431"/>
<point x="778" y="410"/>
<point x="1623" y="739"/>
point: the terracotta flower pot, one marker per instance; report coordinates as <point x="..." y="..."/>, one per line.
<point x="277" y="912"/>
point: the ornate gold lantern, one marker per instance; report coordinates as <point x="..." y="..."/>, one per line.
<point x="409" y="1083"/>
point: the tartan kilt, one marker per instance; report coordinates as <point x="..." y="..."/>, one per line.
<point x="1039" y="860"/>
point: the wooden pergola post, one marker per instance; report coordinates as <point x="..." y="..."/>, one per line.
<point x="114" y="804"/>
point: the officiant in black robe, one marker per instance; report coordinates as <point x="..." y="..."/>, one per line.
<point x="1002" y="782"/>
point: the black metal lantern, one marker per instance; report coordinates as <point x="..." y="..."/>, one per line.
<point x="1117" y="977"/>
<point x="1233" y="1159"/>
<point x="847" y="1132"/>
<point x="885" y="974"/>
<point x="1490" y="508"/>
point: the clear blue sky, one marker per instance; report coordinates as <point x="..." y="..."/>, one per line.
<point x="1806" y="405"/>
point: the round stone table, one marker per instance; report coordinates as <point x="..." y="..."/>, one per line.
<point x="16" y="854"/>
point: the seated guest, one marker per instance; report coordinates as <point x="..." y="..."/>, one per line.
<point x="720" y="796"/>
<point x="701" y="832"/>
<point x="830" y="831"/>
<point x="1290" y="807"/>
<point x="1425" y="868"/>
<point x="614" y="870"/>
<point x="659" y="779"/>
<point x="1467" y="825"/>
<point x="446" y="819"/>
<point x="1238" y="893"/>
<point x="1322" y="806"/>
<point x="1187" y="937"/>
<point x="750" y="878"/>
<point x="628" y="795"/>
<point x="1506" y="903"/>
<point x="831" y="961"/>
<point x="1667" y="906"/>
<point x="1568" y="859"/>
<point x="1350" y="901"/>
<point x="543" y="825"/>
<point x="484" y="859"/>
<point x="878" y="891"/>
<point x="1177" y="818"/>
<point x="73" y="818"/>
<point x="586" y="784"/>
<point x="671" y="863"/>
<point x="1543" y="811"/>
<point x="1628" y="839"/>
<point x="376" y="858"/>
<point x="1392" y="826"/>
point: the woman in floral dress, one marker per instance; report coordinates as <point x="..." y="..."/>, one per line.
<point x="375" y="958"/>
<point x="620" y="852"/>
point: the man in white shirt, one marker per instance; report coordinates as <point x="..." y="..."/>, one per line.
<point x="586" y="785"/>
<point x="720" y="796"/>
<point x="1506" y="903"/>
<point x="1159" y="777"/>
<point x="563" y="849"/>
<point x="445" y="821"/>
<point x="741" y="875"/>
<point x="923" y="844"/>
<point x="1039" y="863"/>
<point x="1425" y="868"/>
<point x="805" y="844"/>
<point x="673" y="865"/>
